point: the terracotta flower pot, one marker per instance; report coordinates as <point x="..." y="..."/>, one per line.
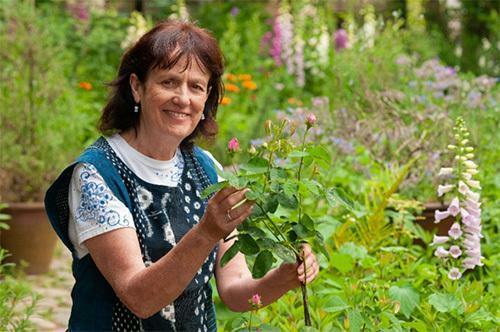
<point x="427" y="222"/>
<point x="30" y="237"/>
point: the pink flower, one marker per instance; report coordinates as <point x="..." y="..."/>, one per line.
<point x="454" y="207"/>
<point x="341" y="39"/>
<point x="233" y="145"/>
<point x="455" y="251"/>
<point x="439" y="239"/>
<point x="444" y="189"/>
<point x="454" y="274"/>
<point x="455" y="231"/>
<point x="473" y="196"/>
<point x="441" y="252"/>
<point x="310" y="120"/>
<point x="255" y="301"/>
<point x="440" y="215"/>
<point x="462" y="188"/>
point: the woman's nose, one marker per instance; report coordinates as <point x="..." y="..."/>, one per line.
<point x="182" y="97"/>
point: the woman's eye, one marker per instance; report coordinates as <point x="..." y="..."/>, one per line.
<point x="168" y="82"/>
<point x="199" y="88"/>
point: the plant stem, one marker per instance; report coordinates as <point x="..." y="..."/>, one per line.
<point x="299" y="175"/>
<point x="250" y="321"/>
<point x="303" y="288"/>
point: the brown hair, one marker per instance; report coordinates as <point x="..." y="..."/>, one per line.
<point x="163" y="46"/>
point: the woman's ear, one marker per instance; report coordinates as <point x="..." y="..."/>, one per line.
<point x="135" y="87"/>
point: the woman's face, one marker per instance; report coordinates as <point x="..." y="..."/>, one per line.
<point x="172" y="100"/>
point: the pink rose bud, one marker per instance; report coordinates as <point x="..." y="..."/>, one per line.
<point x="311" y="120"/>
<point x="233" y="145"/>
<point x="256" y="300"/>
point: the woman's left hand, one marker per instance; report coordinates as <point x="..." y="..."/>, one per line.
<point x="310" y="263"/>
<point x="295" y="272"/>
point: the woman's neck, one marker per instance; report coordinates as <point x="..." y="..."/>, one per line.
<point x="148" y="145"/>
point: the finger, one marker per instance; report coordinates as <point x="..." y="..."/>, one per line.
<point x="236" y="212"/>
<point x="306" y="249"/>
<point x="233" y="199"/>
<point x="222" y="194"/>
<point x="242" y="216"/>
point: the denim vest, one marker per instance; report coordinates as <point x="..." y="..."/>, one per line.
<point x="162" y="216"/>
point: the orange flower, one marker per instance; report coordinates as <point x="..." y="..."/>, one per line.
<point x="250" y="85"/>
<point x="245" y="77"/>
<point x="232" y="87"/>
<point x="231" y="77"/>
<point x="225" y="101"/>
<point x="85" y="86"/>
<point x="291" y="101"/>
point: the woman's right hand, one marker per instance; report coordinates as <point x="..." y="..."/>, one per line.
<point x="221" y="217"/>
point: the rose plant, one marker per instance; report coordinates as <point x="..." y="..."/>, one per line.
<point x="283" y="181"/>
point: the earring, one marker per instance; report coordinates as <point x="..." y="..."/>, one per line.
<point x="136" y="108"/>
<point x="202" y="116"/>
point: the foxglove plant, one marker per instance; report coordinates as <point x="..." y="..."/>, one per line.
<point x="461" y="249"/>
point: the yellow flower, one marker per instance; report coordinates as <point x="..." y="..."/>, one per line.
<point x="245" y="77"/>
<point x="231" y="77"/>
<point x="225" y="101"/>
<point x="232" y="87"/>
<point x="85" y="86"/>
<point x="250" y="85"/>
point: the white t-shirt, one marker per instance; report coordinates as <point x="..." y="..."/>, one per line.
<point x="94" y="209"/>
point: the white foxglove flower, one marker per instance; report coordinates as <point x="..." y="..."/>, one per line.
<point x="474" y="184"/>
<point x="470" y="164"/>
<point x="473" y="196"/>
<point x="444" y="189"/>
<point x="471" y="171"/>
<point x="445" y="171"/>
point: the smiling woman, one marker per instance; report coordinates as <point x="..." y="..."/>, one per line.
<point x="144" y="241"/>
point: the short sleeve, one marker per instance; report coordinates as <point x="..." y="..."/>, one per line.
<point x="94" y="209"/>
<point x="217" y="165"/>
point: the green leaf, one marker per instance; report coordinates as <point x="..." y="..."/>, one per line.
<point x="444" y="302"/>
<point x="342" y="262"/>
<point x="417" y="325"/>
<point x="248" y="246"/>
<point x="288" y="202"/>
<point x="312" y="186"/>
<point x="230" y="253"/>
<point x="254" y="196"/>
<point x="213" y="189"/>
<point x="271" y="204"/>
<point x="355" y="320"/>
<point x="319" y="152"/>
<point x="308" y="329"/>
<point x="263" y="263"/>
<point x="335" y="304"/>
<point x="285" y="253"/>
<point x="290" y="188"/>
<point x="298" y="154"/>
<point x="256" y="165"/>
<point x="307" y="222"/>
<point x="338" y="195"/>
<point x="357" y="252"/>
<point x="300" y="230"/>
<point x="407" y="297"/>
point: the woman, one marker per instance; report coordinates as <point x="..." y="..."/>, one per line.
<point x="144" y="242"/>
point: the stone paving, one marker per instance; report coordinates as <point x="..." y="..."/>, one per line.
<point x="54" y="288"/>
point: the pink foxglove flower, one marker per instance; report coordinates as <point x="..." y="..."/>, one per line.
<point x="454" y="207"/>
<point x="440" y="215"/>
<point x="455" y="231"/>
<point x="455" y="251"/>
<point x="439" y="239"/>
<point x="464" y="241"/>
<point x="233" y="145"/>
<point x="444" y="189"/>
<point x="454" y="274"/>
<point x="441" y="252"/>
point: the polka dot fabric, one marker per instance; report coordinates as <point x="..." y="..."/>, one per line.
<point x="162" y="216"/>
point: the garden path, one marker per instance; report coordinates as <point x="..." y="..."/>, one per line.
<point x="54" y="288"/>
